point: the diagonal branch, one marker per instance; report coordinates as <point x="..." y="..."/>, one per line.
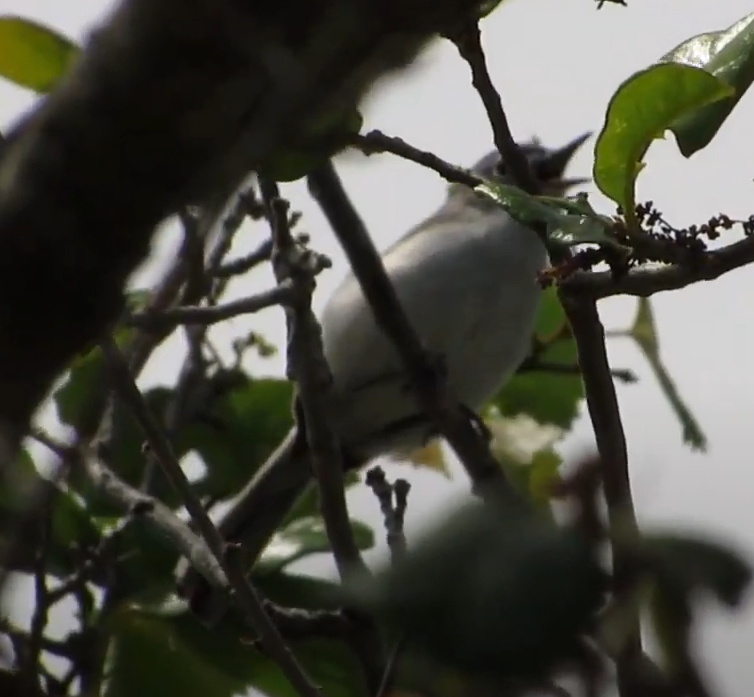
<point x="592" y="355"/>
<point x="296" y="268"/>
<point x="242" y="592"/>
<point x="451" y="418"/>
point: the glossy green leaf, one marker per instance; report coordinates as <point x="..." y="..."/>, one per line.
<point x="644" y="333"/>
<point x="321" y="140"/>
<point x="307" y="536"/>
<point x="568" y="221"/>
<point x="642" y="109"/>
<point x="32" y="55"/>
<point x="729" y="56"/>
<point x="549" y="398"/>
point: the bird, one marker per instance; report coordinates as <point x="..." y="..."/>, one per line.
<point x="467" y="278"/>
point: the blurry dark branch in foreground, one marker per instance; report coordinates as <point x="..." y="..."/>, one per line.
<point x="102" y="163"/>
<point x="452" y="421"/>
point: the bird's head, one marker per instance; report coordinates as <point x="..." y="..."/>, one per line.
<point x="548" y="165"/>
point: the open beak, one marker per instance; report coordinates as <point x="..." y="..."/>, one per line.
<point x="551" y="169"/>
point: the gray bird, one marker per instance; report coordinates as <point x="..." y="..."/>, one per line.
<point x="467" y="278"/>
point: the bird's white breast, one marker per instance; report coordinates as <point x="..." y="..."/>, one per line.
<point x="469" y="288"/>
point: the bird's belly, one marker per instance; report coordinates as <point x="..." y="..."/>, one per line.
<point x="491" y="348"/>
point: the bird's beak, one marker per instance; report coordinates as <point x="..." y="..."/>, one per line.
<point x="551" y="170"/>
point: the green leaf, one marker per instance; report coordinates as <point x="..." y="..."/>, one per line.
<point x="568" y="221"/>
<point x="70" y="525"/>
<point x="549" y="398"/>
<point x="690" y="564"/>
<point x="84" y="382"/>
<point x="154" y="647"/>
<point x="306" y="536"/>
<point x="642" y="109"/>
<point x="308" y="503"/>
<point x="644" y="333"/>
<point x="149" y="653"/>
<point x="320" y="141"/>
<point x="491" y="592"/>
<point x="729" y="56"/>
<point x="32" y="55"/>
<point x="238" y="430"/>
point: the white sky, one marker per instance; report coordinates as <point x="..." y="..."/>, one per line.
<point x="556" y="64"/>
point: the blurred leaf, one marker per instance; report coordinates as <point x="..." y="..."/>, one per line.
<point x="670" y="615"/>
<point x="146" y="563"/>
<point x="568" y="221"/>
<point x="431" y="457"/>
<point x="71" y="528"/>
<point x="549" y="398"/>
<point x="543" y="473"/>
<point x="644" y="333"/>
<point x="491" y="593"/>
<point x="237" y="431"/>
<point x="221" y="661"/>
<point x="148" y="653"/>
<point x="84" y="381"/>
<point x="642" y="109"/>
<point x="308" y="502"/>
<point x="306" y="536"/>
<point x="487" y="7"/>
<point x="729" y="56"/>
<point x="32" y="55"/>
<point x="687" y="564"/>
<point x="319" y="142"/>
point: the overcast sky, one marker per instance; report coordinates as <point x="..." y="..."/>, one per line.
<point x="556" y="64"/>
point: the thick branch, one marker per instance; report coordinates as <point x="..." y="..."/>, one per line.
<point x="99" y="164"/>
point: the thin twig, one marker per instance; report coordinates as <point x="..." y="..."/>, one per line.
<point x="468" y="42"/>
<point x="296" y="268"/>
<point x="452" y="420"/>
<point x="377" y="141"/>
<point x="243" y="594"/>
<point x="624" y="375"/>
<point x="195" y="315"/>
<point x="393" y="499"/>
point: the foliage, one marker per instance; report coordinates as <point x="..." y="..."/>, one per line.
<point x="517" y="590"/>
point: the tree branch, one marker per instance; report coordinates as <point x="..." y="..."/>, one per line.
<point x="644" y="282"/>
<point x="91" y="172"/>
<point x="243" y="594"/>
<point x="306" y="365"/>
<point x="592" y="353"/>
<point x="197" y="315"/>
